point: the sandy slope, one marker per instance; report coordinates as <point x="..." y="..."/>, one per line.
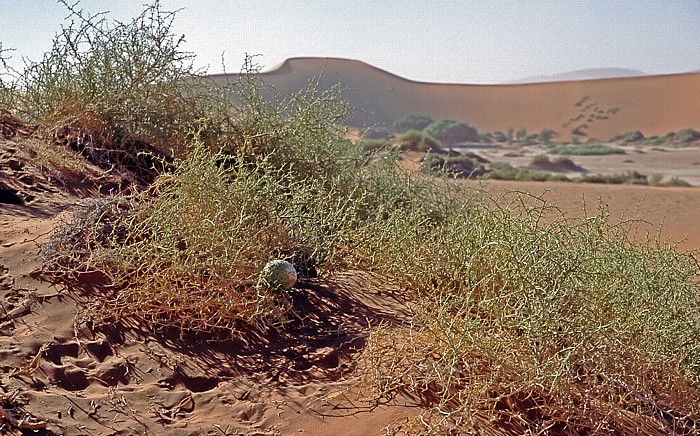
<point x="652" y="104"/>
<point x="59" y="374"/>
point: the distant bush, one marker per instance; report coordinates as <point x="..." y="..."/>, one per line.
<point x="414" y="140"/>
<point x="586" y="149"/>
<point x="675" y="181"/>
<point x="655" y="179"/>
<point x="560" y="164"/>
<point x="686" y="136"/>
<point x="654" y="140"/>
<point x="450" y="132"/>
<point x="500" y="137"/>
<point x="531" y="138"/>
<point x="501" y="171"/>
<point x="628" y="137"/>
<point x="546" y="136"/>
<point x="486" y="138"/>
<point x="628" y="178"/>
<point x="412" y="122"/>
<point x="504" y="171"/>
<point x="539" y="160"/>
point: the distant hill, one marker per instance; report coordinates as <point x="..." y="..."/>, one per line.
<point x="654" y="105"/>
<point x="587" y="74"/>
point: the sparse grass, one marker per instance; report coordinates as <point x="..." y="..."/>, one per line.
<point x="541" y="324"/>
<point x="505" y="171"/>
<point x="586" y="150"/>
<point x="523" y="320"/>
<point x="677" y="182"/>
<point x="628" y="178"/>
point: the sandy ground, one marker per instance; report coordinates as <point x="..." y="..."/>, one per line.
<point x="667" y="212"/>
<point x="59" y="374"/>
<point x="670" y="212"/>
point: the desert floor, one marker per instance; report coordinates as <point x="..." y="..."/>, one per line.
<point x="669" y="211"/>
<point x="60" y="375"/>
<point x="665" y="161"/>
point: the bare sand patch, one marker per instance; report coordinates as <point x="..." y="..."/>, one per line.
<point x="667" y="211"/>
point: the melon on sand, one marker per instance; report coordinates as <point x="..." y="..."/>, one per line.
<point x="278" y="274"/>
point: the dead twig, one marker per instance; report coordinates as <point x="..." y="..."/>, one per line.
<point x="9" y="415"/>
<point x="33" y="365"/>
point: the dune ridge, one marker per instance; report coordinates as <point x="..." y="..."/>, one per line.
<point x="654" y="105"/>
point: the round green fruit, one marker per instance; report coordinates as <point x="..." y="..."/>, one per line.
<point x="279" y="274"/>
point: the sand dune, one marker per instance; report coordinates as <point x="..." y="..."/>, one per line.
<point x="653" y="104"/>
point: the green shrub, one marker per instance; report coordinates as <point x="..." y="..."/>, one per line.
<point x="654" y="140"/>
<point x="546" y="136"/>
<point x="457" y="166"/>
<point x="539" y="160"/>
<point x="655" y="179"/>
<point x="501" y="171"/>
<point x="628" y="137"/>
<point x="675" y="181"/>
<point x="568" y="316"/>
<point x="412" y="122"/>
<point x="116" y="89"/>
<point x="686" y="136"/>
<point x="586" y="150"/>
<point x="504" y="171"/>
<point x="499" y="137"/>
<point x="450" y="132"/>
<point x="414" y="140"/>
<point x="629" y="178"/>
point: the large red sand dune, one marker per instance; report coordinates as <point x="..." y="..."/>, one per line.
<point x="653" y="104"/>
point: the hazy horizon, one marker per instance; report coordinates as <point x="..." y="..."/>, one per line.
<point x="481" y="41"/>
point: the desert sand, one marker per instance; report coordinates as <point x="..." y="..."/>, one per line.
<point x="654" y="105"/>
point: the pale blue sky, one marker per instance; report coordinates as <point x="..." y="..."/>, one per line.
<point x="475" y="41"/>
